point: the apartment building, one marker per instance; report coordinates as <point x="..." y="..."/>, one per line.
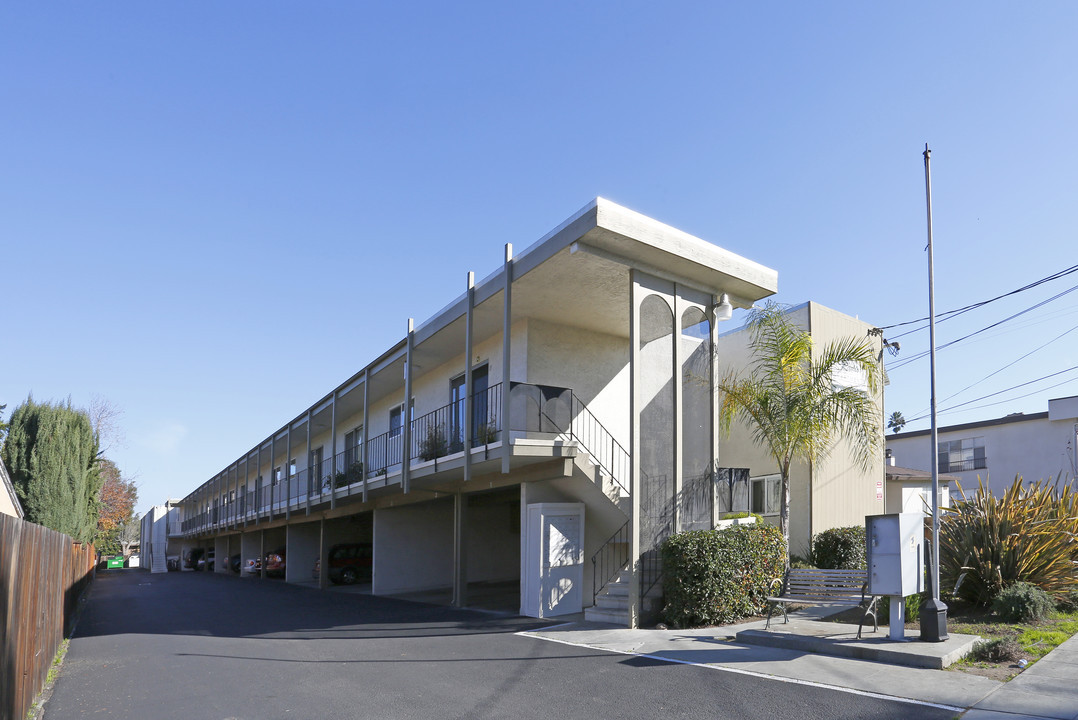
<point x="545" y="431"/>
<point x="1038" y="446"/>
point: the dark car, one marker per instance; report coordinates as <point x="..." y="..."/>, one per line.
<point x="348" y="563"/>
<point x="234" y="563"/>
<point x="191" y="558"/>
<point x="207" y="562"/>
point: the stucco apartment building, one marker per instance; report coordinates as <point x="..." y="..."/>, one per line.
<point x="161" y="536"/>
<point x="833" y="493"/>
<point x="545" y="431"/>
<point x="1039" y="446"/>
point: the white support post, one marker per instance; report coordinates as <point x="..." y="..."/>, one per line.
<point x="288" y="473"/>
<point x="310" y="469"/>
<point x="333" y="451"/>
<point x="679" y="399"/>
<point x="366" y="427"/>
<point x="507" y="328"/>
<point x="469" y="320"/>
<point x="406" y="412"/>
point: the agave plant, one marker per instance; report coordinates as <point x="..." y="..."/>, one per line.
<point x="1029" y="533"/>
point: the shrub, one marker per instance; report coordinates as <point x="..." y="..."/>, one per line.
<point x="840" y="548"/>
<point x="997" y="651"/>
<point x="1022" y="602"/>
<point x="796" y="561"/>
<point x="435" y="444"/>
<point x="1025" y="535"/>
<point x="1068" y="603"/>
<point x="714" y="577"/>
<point x="913" y="609"/>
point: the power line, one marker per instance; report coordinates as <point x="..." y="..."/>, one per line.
<point x="1000" y="392"/>
<point x="925" y="353"/>
<point x="940" y="317"/>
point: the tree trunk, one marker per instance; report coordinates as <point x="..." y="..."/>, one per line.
<point x="784" y="512"/>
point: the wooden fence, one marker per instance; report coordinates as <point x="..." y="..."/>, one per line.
<point x="42" y="574"/>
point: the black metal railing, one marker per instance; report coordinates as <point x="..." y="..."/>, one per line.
<point x="441" y="432"/>
<point x="556" y="410"/>
<point x="612" y="558"/>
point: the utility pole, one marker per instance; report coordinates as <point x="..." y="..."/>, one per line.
<point x="934" y="613"/>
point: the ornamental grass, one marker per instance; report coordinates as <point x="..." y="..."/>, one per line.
<point x="1027" y="534"/>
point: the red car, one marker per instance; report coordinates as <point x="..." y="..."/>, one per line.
<point x="275" y="563"/>
<point x="348" y="562"/>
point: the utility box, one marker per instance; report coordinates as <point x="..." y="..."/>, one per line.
<point x="895" y="556"/>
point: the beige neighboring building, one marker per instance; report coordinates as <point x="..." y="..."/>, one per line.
<point x="835" y="493"/>
<point x="9" y="501"/>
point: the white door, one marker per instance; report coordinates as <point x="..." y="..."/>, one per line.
<point x="555" y="563"/>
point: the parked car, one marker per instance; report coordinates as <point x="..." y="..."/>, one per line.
<point x="253" y="566"/>
<point x="348" y="563"/>
<point x="191" y="558"/>
<point x="275" y="563"/>
<point x="206" y="562"/>
<point x="234" y="563"/>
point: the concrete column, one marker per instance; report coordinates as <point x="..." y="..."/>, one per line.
<point x="634" y="446"/>
<point x="460" y="560"/>
<point x="507" y="324"/>
<point x="469" y="323"/>
<point x="333" y="453"/>
<point x="262" y="551"/>
<point x="366" y="428"/>
<point x="406" y="413"/>
<point x="679" y="391"/>
<point x="715" y="437"/>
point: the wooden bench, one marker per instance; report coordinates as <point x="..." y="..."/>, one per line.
<point x="810" y="586"/>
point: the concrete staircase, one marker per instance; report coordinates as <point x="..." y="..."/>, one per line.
<point x="612" y="604"/>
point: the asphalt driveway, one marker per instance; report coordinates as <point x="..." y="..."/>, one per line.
<point x="186" y="646"/>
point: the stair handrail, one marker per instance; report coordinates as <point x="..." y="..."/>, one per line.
<point x="601" y="573"/>
<point x="616" y="465"/>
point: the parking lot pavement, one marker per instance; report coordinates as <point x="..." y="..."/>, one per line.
<point x="199" y="645"/>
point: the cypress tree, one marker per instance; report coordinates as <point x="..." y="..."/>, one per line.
<point x="51" y="455"/>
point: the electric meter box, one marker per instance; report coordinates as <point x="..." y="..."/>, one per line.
<point x="895" y="555"/>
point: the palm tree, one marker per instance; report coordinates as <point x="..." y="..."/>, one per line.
<point x="896" y="422"/>
<point x="792" y="405"/>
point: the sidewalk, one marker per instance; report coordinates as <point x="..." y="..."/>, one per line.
<point x="1048" y="689"/>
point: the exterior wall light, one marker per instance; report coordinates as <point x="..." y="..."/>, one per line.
<point x="724" y="310"/>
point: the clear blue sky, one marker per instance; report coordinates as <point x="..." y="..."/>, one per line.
<point x="213" y="213"/>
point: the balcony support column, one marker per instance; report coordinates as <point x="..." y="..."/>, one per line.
<point x="310" y="468"/>
<point x="460" y="560"/>
<point x="333" y="452"/>
<point x="246" y="480"/>
<point x="714" y="392"/>
<point x="366" y="427"/>
<point x="406" y="412"/>
<point x="507" y="326"/>
<point x="288" y="473"/>
<point x="272" y="474"/>
<point x="323" y="559"/>
<point x="469" y="324"/>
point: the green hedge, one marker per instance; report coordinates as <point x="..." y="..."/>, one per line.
<point x="715" y="577"/>
<point x="840" y="548"/>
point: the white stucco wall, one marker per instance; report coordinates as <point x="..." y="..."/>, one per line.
<point x="413" y="547"/>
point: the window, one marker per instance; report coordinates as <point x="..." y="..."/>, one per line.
<point x="277" y="475"/>
<point x="395" y="418"/>
<point x="353" y="446"/>
<point x="964" y="454"/>
<point x="480" y="418"/>
<point x="767" y="494"/>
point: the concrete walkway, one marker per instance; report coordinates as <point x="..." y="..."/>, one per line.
<point x="1048" y="689"/>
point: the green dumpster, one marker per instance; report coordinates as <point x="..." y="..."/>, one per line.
<point x="116" y="562"/>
